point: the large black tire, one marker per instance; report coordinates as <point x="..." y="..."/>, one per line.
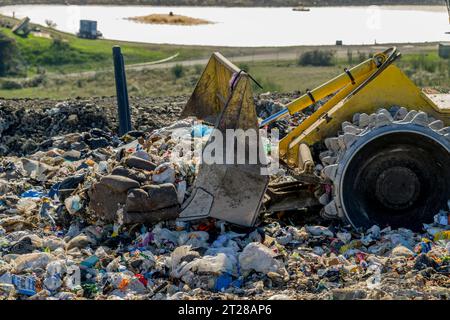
<point x="390" y="168"/>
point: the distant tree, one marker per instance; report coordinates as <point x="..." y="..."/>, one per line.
<point x="50" y="23"/>
<point x="10" y="61"/>
<point x="317" y="58"/>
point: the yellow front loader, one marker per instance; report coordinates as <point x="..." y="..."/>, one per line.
<point x="376" y="151"/>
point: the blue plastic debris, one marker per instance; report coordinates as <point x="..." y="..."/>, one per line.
<point x="223" y="282"/>
<point x="220" y="241"/>
<point x="237" y="283"/>
<point x="32" y="193"/>
<point x="24" y="285"/>
<point x="200" y="130"/>
<point x="54" y="190"/>
<point x="89" y="262"/>
<point x="82" y="166"/>
<point x="423" y="247"/>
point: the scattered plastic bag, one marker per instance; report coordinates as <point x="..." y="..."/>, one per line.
<point x="164" y="173"/>
<point x="258" y="257"/>
<point x="73" y="204"/>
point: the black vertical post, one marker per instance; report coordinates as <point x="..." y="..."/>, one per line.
<point x="122" y="92"/>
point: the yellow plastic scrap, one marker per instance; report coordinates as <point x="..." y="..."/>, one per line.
<point x="443" y="235"/>
<point x="116" y="229"/>
<point x="354" y="269"/>
<point x="296" y="256"/>
<point x="351" y="245"/>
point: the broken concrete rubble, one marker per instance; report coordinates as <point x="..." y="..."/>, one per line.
<point x="151" y="197"/>
<point x="151" y="204"/>
<point x="108" y="194"/>
<point x="139" y="163"/>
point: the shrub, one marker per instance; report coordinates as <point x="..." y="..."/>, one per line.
<point x="317" y="58"/>
<point x="50" y="23"/>
<point x="35" y="81"/>
<point x="424" y="62"/>
<point x="11" y="85"/>
<point x="362" y="56"/>
<point x="59" y="53"/>
<point x="244" y="67"/>
<point x="178" y="71"/>
<point x="350" y="57"/>
<point x="10" y="59"/>
<point x="40" y="70"/>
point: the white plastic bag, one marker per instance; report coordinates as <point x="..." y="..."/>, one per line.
<point x="165" y="174"/>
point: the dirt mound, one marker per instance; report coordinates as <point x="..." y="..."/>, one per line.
<point x="173" y="19"/>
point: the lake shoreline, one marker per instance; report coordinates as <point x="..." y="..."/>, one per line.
<point x="227" y="3"/>
<point x="250" y="49"/>
<point x="268" y="27"/>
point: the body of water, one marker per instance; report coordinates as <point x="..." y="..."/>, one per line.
<point x="254" y="27"/>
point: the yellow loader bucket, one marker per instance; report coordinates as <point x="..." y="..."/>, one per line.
<point x="229" y="188"/>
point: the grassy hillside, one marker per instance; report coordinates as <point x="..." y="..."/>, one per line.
<point x="65" y="53"/>
<point x="77" y="54"/>
<point x="69" y="54"/>
<point x="229" y="3"/>
<point x="426" y="69"/>
<point x="50" y="59"/>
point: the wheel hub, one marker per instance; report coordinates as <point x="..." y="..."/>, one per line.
<point x="397" y="187"/>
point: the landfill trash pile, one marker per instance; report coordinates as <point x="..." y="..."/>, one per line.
<point x="26" y="125"/>
<point x="94" y="216"/>
<point x="268" y="104"/>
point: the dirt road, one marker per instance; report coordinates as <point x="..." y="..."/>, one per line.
<point x="278" y="54"/>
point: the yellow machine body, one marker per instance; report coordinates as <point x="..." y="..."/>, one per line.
<point x="224" y="97"/>
<point x="391" y="88"/>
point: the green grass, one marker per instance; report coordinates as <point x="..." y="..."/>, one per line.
<point x="273" y="76"/>
<point x="85" y="54"/>
<point x="287" y="76"/>
<point x="427" y="69"/>
<point x="140" y="83"/>
<point x="281" y="76"/>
